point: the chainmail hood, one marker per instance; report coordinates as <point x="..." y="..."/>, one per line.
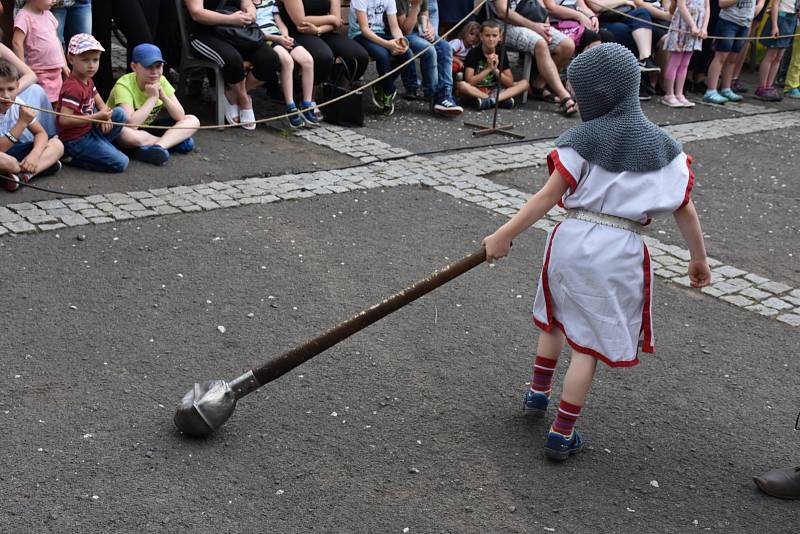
<point x="615" y="134"/>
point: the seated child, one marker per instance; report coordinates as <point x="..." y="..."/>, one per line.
<point x="89" y="145"/>
<point x="467" y="39"/>
<point x="276" y="33"/>
<point x="373" y="25"/>
<point x="483" y="67"/>
<point x="36" y="42"/>
<point x="148" y="99"/>
<point x="25" y="150"/>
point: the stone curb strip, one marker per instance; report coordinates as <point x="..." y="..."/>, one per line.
<point x="454" y="175"/>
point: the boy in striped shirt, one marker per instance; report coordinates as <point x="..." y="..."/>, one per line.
<point x="88" y="144"/>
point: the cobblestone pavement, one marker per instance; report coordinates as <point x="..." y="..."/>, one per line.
<point x="460" y="175"/>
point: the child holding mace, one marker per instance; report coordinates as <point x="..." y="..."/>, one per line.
<point x="612" y="173"/>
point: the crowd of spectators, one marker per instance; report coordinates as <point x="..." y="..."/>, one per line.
<point x="57" y="54"/>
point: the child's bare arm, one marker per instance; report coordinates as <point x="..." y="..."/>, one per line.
<point x="689" y="224"/>
<point x="473" y="78"/>
<point x="507" y="78"/>
<point x="18" y="43"/>
<point x="498" y="244"/>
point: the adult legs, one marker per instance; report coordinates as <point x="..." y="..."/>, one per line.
<point x="78" y="20"/>
<point x="444" y="69"/>
<point x="322" y="54"/>
<point x="130" y="19"/>
<point x="351" y="53"/>
<point x="427" y="63"/>
<point x="527" y="40"/>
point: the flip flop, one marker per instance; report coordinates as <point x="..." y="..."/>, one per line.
<point x="247" y="119"/>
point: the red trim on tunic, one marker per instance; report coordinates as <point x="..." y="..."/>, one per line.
<point x="545" y="283"/>
<point x="647" y="325"/>
<point x="690" y="184"/>
<point x="554" y="163"/>
<point x="585" y="350"/>
<point x="551" y="321"/>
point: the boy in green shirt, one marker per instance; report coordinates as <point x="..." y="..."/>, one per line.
<point x="148" y="99"/>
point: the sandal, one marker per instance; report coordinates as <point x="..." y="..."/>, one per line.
<point x="231" y="112"/>
<point x="247" y="119"/>
<point x="568" y="107"/>
<point x="543" y="94"/>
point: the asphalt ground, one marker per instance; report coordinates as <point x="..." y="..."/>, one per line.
<point x="104" y="335"/>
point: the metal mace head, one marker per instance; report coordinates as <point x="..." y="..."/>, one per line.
<point x="207" y="406"/>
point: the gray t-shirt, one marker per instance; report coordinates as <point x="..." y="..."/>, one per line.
<point x="741" y="13"/>
<point x="404" y="6"/>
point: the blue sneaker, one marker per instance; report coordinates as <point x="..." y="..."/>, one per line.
<point x="312" y="114"/>
<point x="153" y="154"/>
<point x="296" y="120"/>
<point x="559" y="447"/>
<point x="184" y="147"/>
<point x="714" y="97"/>
<point x="535" y="403"/>
<point x="794" y="92"/>
<point x="730" y="95"/>
<point x="485" y="103"/>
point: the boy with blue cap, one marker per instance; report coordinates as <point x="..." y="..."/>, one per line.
<point x="148" y="99"/>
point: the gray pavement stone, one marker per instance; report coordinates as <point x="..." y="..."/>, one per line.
<point x="790" y="319"/>
<point x="777" y="303"/>
<point x="74" y="220"/>
<point x="737" y="300"/>
<point x="774" y="287"/>
<point x="101" y="220"/>
<point x="21" y="227"/>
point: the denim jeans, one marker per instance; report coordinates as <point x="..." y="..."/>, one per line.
<point x="95" y="150"/>
<point x="384" y="60"/>
<point x="74" y="20"/>
<point x="436" y="65"/>
<point x="433" y="14"/>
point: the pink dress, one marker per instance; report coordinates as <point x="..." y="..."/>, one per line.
<point x="43" y="52"/>
<point x="596" y="284"/>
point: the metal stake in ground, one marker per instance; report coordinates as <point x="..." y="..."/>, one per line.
<point x="485" y="129"/>
<point x="207" y="406"/>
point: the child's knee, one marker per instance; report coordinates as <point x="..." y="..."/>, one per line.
<point x="55" y="144"/>
<point x="118" y="115"/>
<point x="285" y="59"/>
<point x="8" y="163"/>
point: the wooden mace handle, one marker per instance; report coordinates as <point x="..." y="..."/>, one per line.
<point x="294" y="357"/>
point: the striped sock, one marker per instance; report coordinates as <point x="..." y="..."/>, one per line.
<point x="565" y="420"/>
<point x="542" y="379"/>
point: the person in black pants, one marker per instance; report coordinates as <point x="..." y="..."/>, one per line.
<point x="266" y="64"/>
<point x="129" y="16"/>
<point x="313" y="24"/>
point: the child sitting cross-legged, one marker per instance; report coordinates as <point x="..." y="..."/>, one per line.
<point x="148" y="99"/>
<point x="89" y="145"/>
<point x="482" y="69"/>
<point x="25" y="149"/>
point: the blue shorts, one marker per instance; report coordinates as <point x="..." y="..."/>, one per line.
<point x="787" y="23"/>
<point x="726" y="28"/>
<point x="20" y="150"/>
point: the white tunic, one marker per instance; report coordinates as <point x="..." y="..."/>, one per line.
<point x="596" y="283"/>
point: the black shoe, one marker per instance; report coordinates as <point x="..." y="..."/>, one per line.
<point x="644" y="92"/>
<point x="51" y="170"/>
<point x="648" y="65"/>
<point x="699" y="88"/>
<point x="485" y="103"/>
<point x="508" y="103"/>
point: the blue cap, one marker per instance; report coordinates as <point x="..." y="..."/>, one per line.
<point x="147" y="54"/>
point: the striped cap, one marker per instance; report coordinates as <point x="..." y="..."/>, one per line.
<point x="83" y="42"/>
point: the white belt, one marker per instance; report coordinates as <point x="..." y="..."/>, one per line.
<point x="606" y="220"/>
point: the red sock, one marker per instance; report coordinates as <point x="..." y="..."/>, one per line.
<point x="542" y="379"/>
<point x="565" y="420"/>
